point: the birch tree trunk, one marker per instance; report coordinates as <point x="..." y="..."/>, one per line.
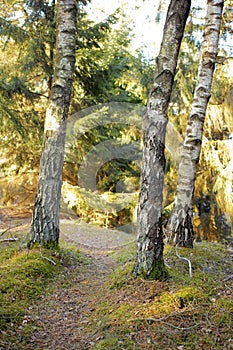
<point x="45" y="218"/>
<point x="149" y="259"/>
<point x="180" y="223"/>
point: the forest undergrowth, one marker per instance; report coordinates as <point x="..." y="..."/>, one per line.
<point x="89" y="299"/>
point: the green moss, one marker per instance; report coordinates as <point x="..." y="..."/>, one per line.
<point x="158" y="273"/>
<point x="123" y="312"/>
<point x="110" y="342"/>
<point x="113" y="342"/>
<point x="125" y="254"/>
<point x="121" y="275"/>
<point x="25" y="275"/>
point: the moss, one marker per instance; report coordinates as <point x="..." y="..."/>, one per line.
<point x="113" y="342"/>
<point x="25" y="275"/>
<point x="109" y="343"/>
<point x="46" y="244"/>
<point x="125" y="254"/>
<point x="121" y="275"/>
<point x="158" y="273"/>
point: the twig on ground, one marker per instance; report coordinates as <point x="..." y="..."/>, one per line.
<point x="228" y="278"/>
<point x="173" y="326"/>
<point x="162" y="320"/>
<point x="166" y="264"/>
<point x="186" y="259"/>
<point x="6" y="230"/>
<point x="46" y="258"/>
<point x="9" y="228"/>
<point x="13" y="239"/>
<point x="167" y="316"/>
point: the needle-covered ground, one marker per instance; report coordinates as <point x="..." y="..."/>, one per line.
<point x="89" y="299"/>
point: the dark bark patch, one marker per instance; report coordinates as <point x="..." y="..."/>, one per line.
<point x="157" y="147"/>
<point x="159" y="151"/>
<point x="185" y="233"/>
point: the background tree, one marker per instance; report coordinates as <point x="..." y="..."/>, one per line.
<point x="27" y="31"/>
<point x="180" y="223"/>
<point x="212" y="204"/>
<point x="149" y="259"/>
<point x="27" y="36"/>
<point x="45" y="219"/>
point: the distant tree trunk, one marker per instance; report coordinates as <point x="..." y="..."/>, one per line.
<point x="45" y="219"/>
<point x="149" y="259"/>
<point x="180" y="223"/>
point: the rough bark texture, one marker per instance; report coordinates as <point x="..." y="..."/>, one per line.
<point x="180" y="225"/>
<point x="45" y="219"/>
<point x="149" y="259"/>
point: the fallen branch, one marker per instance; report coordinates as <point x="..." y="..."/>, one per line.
<point x="166" y="264"/>
<point x="13" y="239"/>
<point x="186" y="259"/>
<point x="173" y="314"/>
<point x="228" y="278"/>
<point x="9" y="228"/>
<point x="162" y="320"/>
<point x="46" y="258"/>
<point x="2" y="233"/>
<point x="172" y="325"/>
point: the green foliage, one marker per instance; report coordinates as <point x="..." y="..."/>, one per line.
<point x="106" y="70"/>
<point x="26" y="64"/>
<point x="102" y="163"/>
<point x="104" y="209"/>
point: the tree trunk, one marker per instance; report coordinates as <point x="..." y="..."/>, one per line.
<point x="51" y="19"/>
<point x="180" y="223"/>
<point x="149" y="259"/>
<point x="45" y="219"/>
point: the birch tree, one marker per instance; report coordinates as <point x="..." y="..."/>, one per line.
<point x="45" y="218"/>
<point x="149" y="259"/>
<point x="180" y="223"/>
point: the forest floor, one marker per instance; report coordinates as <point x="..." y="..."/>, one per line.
<point x="97" y="304"/>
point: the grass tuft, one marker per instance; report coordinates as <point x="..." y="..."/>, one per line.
<point x="25" y="275"/>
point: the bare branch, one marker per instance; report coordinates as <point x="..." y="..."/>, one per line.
<point x="46" y="258"/>
<point x="186" y="259"/>
<point x="13" y="239"/>
<point x="163" y="320"/>
<point x="228" y="278"/>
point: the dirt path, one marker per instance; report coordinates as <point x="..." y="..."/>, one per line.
<point x="62" y="320"/>
<point x="94" y="238"/>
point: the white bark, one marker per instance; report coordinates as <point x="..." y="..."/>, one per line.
<point x="45" y="219"/>
<point x="149" y="260"/>
<point x="180" y="224"/>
